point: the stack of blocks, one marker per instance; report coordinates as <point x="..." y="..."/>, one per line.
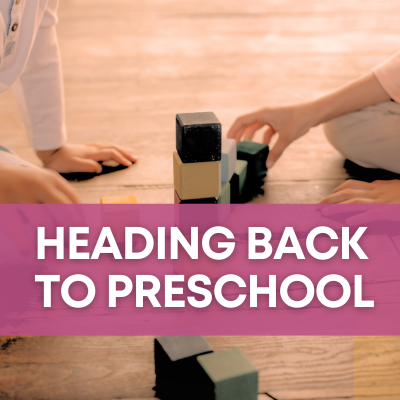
<point x="187" y="368"/>
<point x="208" y="169"/>
<point x="197" y="158"/>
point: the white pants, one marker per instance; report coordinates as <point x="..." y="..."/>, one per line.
<point x="369" y="137"/>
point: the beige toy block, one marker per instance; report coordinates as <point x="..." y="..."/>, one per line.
<point x="119" y="200"/>
<point x="196" y="180"/>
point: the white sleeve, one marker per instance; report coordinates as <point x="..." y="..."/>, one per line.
<point x="388" y="74"/>
<point x="40" y="91"/>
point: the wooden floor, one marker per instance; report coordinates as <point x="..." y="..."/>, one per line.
<point x="129" y="67"/>
<point x="290" y="368"/>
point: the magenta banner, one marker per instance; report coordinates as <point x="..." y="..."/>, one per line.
<point x="199" y="270"/>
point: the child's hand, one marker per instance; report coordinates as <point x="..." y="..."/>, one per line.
<point x="356" y="192"/>
<point x="289" y="122"/>
<point x="85" y="157"/>
<point x="34" y="185"/>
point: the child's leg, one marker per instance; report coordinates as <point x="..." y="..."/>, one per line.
<point x="369" y="137"/>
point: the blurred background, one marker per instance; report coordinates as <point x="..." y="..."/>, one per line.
<point x="130" y="66"/>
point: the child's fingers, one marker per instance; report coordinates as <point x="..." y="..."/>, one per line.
<point x="239" y="134"/>
<point x="68" y="190"/>
<point x="54" y="196"/>
<point x="110" y="154"/>
<point x="236" y="127"/>
<point x="353" y="184"/>
<point x="56" y="190"/>
<point x="269" y="132"/>
<point x="78" y="164"/>
<point x="251" y="131"/>
<point x="125" y="151"/>
<point x="359" y="200"/>
<point x="345" y="195"/>
<point x="276" y="152"/>
<point x="241" y="123"/>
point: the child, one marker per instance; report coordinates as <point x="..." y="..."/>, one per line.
<point x="361" y="120"/>
<point x="30" y="63"/>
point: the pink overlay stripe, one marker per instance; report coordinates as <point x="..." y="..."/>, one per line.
<point x="22" y="310"/>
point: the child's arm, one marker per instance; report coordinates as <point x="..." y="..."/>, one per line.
<point x="34" y="185"/>
<point x="40" y="94"/>
<point x="291" y="122"/>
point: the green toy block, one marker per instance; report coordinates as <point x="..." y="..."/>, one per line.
<point x="256" y="155"/>
<point x="225" y="195"/>
<point x="231" y="376"/>
<point x="238" y="181"/>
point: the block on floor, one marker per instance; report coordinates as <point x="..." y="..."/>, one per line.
<point x="231" y="374"/>
<point x="176" y="364"/>
<point x="196" y="180"/>
<point x="119" y="200"/>
<point x="238" y="181"/>
<point x="256" y="156"/>
<point x="198" y="137"/>
<point x="228" y="159"/>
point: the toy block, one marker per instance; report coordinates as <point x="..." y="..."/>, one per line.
<point x="196" y="180"/>
<point x="176" y="364"/>
<point x="119" y="200"/>
<point x="210" y="200"/>
<point x="198" y="137"/>
<point x="256" y="156"/>
<point x="228" y="375"/>
<point x="225" y="195"/>
<point x="228" y="159"/>
<point x="238" y="181"/>
<point x="108" y="167"/>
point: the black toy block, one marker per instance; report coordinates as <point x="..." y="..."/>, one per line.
<point x="84" y="176"/>
<point x="198" y="137"/>
<point x="176" y="365"/>
<point x="256" y="156"/>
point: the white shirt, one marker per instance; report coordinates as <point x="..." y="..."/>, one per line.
<point x="388" y="74"/>
<point x="30" y="63"/>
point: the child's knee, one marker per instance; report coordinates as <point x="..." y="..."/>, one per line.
<point x="336" y="134"/>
